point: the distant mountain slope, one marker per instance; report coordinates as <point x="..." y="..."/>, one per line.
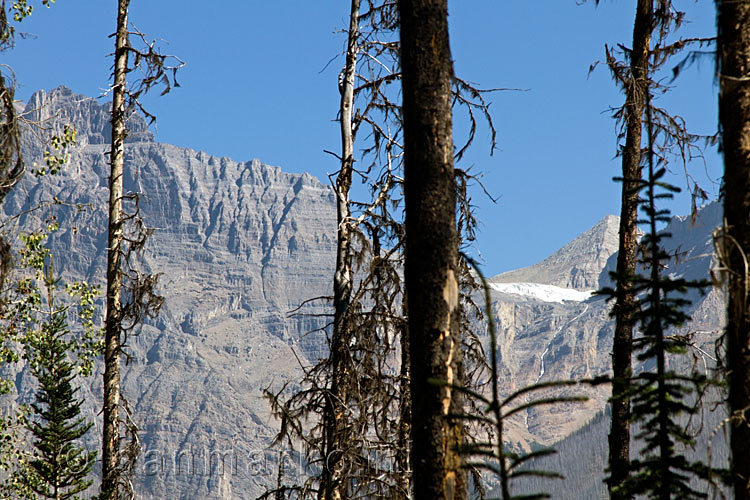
<point x="582" y="457"/>
<point x="555" y="333"/>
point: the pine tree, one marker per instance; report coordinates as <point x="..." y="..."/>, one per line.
<point x="656" y="21"/>
<point x="56" y="466"/>
<point x="622" y="344"/>
<point x="661" y="396"/>
<point x="60" y="467"/>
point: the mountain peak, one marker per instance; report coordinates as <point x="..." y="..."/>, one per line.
<point x="90" y="118"/>
<point x="576" y="265"/>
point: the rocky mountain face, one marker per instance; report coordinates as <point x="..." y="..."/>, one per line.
<point x="239" y="246"/>
<point x="549" y="332"/>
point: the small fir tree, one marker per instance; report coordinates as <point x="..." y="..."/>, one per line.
<point x="661" y="396"/>
<point x="60" y="466"/>
<point x="54" y="466"/>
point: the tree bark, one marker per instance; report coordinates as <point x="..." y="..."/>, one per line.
<point x="734" y="116"/>
<point x="431" y="269"/>
<point x="335" y="415"/>
<point x="622" y="345"/>
<point x="112" y="352"/>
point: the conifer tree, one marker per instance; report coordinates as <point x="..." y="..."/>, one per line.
<point x="622" y="343"/>
<point x="660" y="396"/>
<point x="60" y="467"/>
<point x="655" y="23"/>
<point x="55" y="466"/>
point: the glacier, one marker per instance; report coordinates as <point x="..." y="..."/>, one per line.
<point x="545" y="293"/>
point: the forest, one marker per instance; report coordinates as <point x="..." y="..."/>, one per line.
<point x="405" y="399"/>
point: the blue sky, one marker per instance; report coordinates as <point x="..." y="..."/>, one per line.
<point x="257" y="85"/>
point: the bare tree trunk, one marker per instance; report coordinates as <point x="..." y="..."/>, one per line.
<point x="431" y="270"/>
<point x="734" y="115"/>
<point x="335" y="415"/>
<point x="111" y="413"/>
<point x="11" y="160"/>
<point x="622" y="346"/>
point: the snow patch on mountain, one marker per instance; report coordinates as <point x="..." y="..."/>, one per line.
<point x="545" y="293"/>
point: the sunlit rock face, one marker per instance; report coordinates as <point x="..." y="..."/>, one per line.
<point x="240" y="245"/>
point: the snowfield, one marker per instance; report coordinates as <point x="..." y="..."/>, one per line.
<point x="545" y="293"/>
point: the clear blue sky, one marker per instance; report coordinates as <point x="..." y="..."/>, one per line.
<point x="255" y="87"/>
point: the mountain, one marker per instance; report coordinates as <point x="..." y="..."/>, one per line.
<point x="548" y="332"/>
<point x="580" y="348"/>
<point x="577" y="265"/>
<point x="239" y="246"/>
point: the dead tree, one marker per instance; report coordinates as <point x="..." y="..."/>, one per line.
<point x="431" y="270"/>
<point x="112" y="334"/>
<point x="131" y="294"/>
<point x="336" y="429"/>
<point x="622" y="343"/>
<point x="733" y="62"/>
<point x="359" y="396"/>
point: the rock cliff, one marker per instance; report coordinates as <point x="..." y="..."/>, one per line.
<point x="238" y="245"/>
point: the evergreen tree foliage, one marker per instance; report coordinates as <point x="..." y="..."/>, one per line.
<point x="636" y="74"/>
<point x="661" y="397"/>
<point x="60" y="466"/>
<point x="654" y="44"/>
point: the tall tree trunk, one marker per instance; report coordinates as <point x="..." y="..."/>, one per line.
<point x="431" y="270"/>
<point x="112" y="352"/>
<point x="335" y="414"/>
<point x="734" y="116"/>
<point x="622" y="346"/>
